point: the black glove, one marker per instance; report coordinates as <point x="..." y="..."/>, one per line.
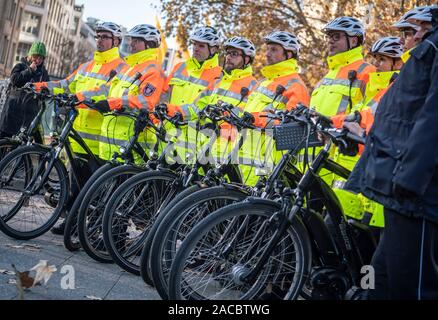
<point x="402" y="193"/>
<point x="102" y="106"/>
<point x="351" y="150"/>
<point x="140" y="124"/>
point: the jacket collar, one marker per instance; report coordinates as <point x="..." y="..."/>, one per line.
<point x="435" y="17"/>
<point x="237" y="74"/>
<point x="106" y="56"/>
<point x="380" y="80"/>
<point x="407" y="55"/>
<point x="142" y="57"/>
<point x="193" y="64"/>
<point x="345" y="58"/>
<point x="280" y="69"/>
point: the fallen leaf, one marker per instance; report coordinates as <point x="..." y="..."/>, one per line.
<point x="14" y="246"/>
<point x="43" y="272"/>
<point x="26" y="281"/>
<point x="9" y="273"/>
<point x="30" y="247"/>
<point x="93" y="298"/>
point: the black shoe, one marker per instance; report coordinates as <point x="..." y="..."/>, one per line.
<point x="59" y="230"/>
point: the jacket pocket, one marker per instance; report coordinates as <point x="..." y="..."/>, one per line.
<point x="381" y="166"/>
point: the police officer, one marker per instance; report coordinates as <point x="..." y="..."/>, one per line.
<point x="399" y="170"/>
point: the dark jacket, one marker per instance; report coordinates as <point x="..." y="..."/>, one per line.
<point x="20" y="109"/>
<point x="402" y="146"/>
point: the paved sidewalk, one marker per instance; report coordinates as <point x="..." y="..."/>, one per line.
<point x="93" y="280"/>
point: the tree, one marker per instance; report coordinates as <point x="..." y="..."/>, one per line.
<point x="255" y="18"/>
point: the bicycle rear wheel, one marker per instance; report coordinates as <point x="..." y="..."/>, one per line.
<point x="218" y="254"/>
<point x="177" y="222"/>
<point x="93" y="206"/>
<point x="132" y="212"/>
<point x="71" y="236"/>
<point x="32" y="192"/>
<point x="7" y="146"/>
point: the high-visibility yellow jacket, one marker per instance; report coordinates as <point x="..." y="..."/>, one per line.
<point x="188" y="79"/>
<point x="331" y="98"/>
<point x="138" y="85"/>
<point x="332" y="94"/>
<point x="258" y="150"/>
<point x="89" y="76"/>
<point x="183" y="86"/>
<point x="229" y="90"/>
<point x="378" y="84"/>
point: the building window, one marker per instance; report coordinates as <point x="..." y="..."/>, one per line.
<point x="23" y="49"/>
<point x="31" y="23"/>
<point x="13" y="9"/>
<point x="5" y="50"/>
<point x="36" y="3"/>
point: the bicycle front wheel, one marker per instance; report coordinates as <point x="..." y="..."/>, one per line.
<point x="131" y="214"/>
<point x="33" y="192"/>
<point x="176" y="224"/>
<point x="217" y="257"/>
<point x="93" y="206"/>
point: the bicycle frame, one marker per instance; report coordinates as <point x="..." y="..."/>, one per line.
<point x="344" y="255"/>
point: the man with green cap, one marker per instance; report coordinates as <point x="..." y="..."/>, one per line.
<point x="20" y="109"/>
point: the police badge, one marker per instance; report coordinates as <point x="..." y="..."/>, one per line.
<point x="149" y="90"/>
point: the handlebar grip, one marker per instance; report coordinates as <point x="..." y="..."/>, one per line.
<point x="355" y="138"/>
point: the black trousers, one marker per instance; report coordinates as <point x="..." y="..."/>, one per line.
<point x="406" y="260"/>
<point x="83" y="172"/>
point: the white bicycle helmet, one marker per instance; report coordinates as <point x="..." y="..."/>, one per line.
<point x="388" y="46"/>
<point x="351" y="26"/>
<point x="146" y="32"/>
<point x="404" y="23"/>
<point x="112" y="27"/>
<point x="207" y="35"/>
<point x="422" y="14"/>
<point x="286" y="39"/>
<point x="243" y="44"/>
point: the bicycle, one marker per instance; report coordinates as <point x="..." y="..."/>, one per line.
<point x="260" y="246"/>
<point x="101" y="191"/>
<point x="212" y="193"/>
<point x="143" y="198"/>
<point x="34" y="183"/>
<point x="124" y="157"/>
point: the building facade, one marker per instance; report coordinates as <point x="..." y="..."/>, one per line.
<point x="58" y="23"/>
<point x="11" y="12"/>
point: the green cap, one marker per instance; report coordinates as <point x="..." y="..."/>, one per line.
<point x="38" y="48"/>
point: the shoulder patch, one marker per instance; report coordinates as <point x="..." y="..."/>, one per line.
<point x="149" y="90"/>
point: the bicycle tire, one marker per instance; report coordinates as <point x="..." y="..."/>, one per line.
<point x="120" y="172"/>
<point x="147" y="188"/>
<point x="71" y="221"/>
<point x="52" y="213"/>
<point x="168" y="232"/>
<point x="254" y="215"/>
